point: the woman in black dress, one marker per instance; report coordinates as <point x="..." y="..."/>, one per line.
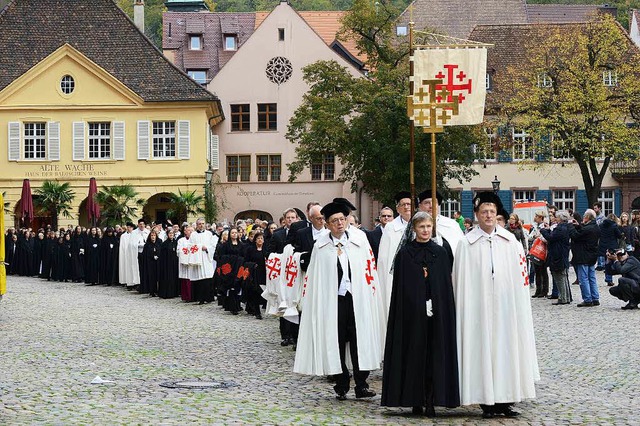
<point x="168" y="282"/>
<point x="255" y="256"/>
<point x="92" y="257"/>
<point x="62" y="271"/>
<point x="229" y="259"/>
<point x="420" y="359"/>
<point x="38" y="254"/>
<point x="109" y="258"/>
<point x="11" y="244"/>
<point x="77" y="255"/>
<point x="151" y="265"/>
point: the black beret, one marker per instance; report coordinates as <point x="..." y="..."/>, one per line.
<point x="488" y="197"/>
<point x="345" y="202"/>
<point x="427" y="194"/>
<point x="401" y="195"/>
<point x="333" y="208"/>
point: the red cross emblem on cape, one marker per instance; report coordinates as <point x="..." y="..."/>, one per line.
<point x="371" y="266"/>
<point x="454" y="82"/>
<point x="185" y="250"/>
<point x="273" y="268"/>
<point x="291" y="271"/>
<point x="525" y="274"/>
<point x="194" y="249"/>
<point x="226" y="269"/>
<point x="243" y="273"/>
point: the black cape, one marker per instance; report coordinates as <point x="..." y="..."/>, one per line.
<point x="109" y="247"/>
<point x="168" y="282"/>
<point x="91" y="259"/>
<point x="417" y="346"/>
<point x="151" y="267"/>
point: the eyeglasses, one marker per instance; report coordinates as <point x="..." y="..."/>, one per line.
<point x="404" y="205"/>
<point x="386" y="215"/>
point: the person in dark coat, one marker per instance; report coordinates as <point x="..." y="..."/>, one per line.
<point x="50" y="250"/>
<point x="610" y="235"/>
<point x="77" y="255"/>
<point x="558" y="247"/>
<point x="63" y="266"/>
<point x="23" y="254"/>
<point x="420" y="361"/>
<point x="151" y="265"/>
<point x="256" y="253"/>
<point x="92" y="257"/>
<point x="231" y="253"/>
<point x="628" y="288"/>
<point x="374" y="236"/>
<point x="38" y="254"/>
<point x="584" y="248"/>
<point x="168" y="281"/>
<point x="11" y="244"/>
<point x="109" y="248"/>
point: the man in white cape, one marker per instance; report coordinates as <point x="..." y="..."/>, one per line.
<point x="497" y="360"/>
<point x="391" y="237"/>
<point x="195" y="257"/>
<point x="127" y="259"/>
<point x="207" y="241"/>
<point x="340" y="307"/>
<point x="137" y="238"/>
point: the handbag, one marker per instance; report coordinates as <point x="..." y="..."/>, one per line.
<point x="538" y="252"/>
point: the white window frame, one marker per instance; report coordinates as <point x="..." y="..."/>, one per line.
<point x="544" y="81"/>
<point x="450" y="206"/>
<point x="564" y="199"/>
<point x="610" y="78"/>
<point x="559" y="154"/>
<point x="325" y="166"/>
<point x="486" y="153"/>
<point x="401" y="31"/>
<point x="487" y="82"/>
<point x="270" y="166"/>
<point x="524" y="195"/>
<point x="195" y="74"/>
<point x="99" y="134"/>
<point x="608" y="200"/>
<point x="234" y="42"/>
<point x="37" y="136"/>
<point x="193" y="38"/>
<point x="163" y="140"/>
<point x="523" y="145"/>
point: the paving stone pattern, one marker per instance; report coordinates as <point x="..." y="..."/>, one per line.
<point x="56" y="337"/>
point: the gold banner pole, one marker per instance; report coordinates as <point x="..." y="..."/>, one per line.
<point x="412" y="140"/>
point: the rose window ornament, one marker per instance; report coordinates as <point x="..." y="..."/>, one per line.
<point x="279" y="70"/>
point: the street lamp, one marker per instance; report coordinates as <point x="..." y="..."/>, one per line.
<point x="208" y="207"/>
<point x="495" y="183"/>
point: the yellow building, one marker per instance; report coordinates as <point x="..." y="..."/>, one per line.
<point x="84" y="94"/>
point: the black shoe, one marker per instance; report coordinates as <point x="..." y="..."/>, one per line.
<point x="584" y="304"/>
<point x="259" y="316"/>
<point x="576" y="282"/>
<point x="341" y="396"/>
<point x="430" y="411"/>
<point x="629" y="306"/>
<point x="285" y="342"/>
<point x="599" y="268"/>
<point x="201" y="303"/>
<point x="365" y="393"/>
<point x="609" y="283"/>
<point x="508" y="412"/>
<point x="488" y="414"/>
<point x="552" y="297"/>
<point x="595" y="303"/>
<point x="560" y="303"/>
<point x="417" y="411"/>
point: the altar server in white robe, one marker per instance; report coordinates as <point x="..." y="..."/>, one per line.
<point x="207" y="241"/>
<point x="195" y="257"/>
<point x="340" y="307"/>
<point x="136" y="242"/>
<point x="391" y="237"/>
<point x="497" y="359"/>
<point x="446" y="227"/>
<point x="126" y="264"/>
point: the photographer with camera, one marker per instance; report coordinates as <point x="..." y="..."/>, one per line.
<point x="620" y="263"/>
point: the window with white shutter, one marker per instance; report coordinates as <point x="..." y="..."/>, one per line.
<point x="143" y="140"/>
<point x="78" y="141"/>
<point x="118" y="140"/>
<point x="184" y="140"/>
<point x="14" y="141"/>
<point x="214" y="152"/>
<point x="54" y="140"/>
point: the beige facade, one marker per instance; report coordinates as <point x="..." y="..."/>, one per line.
<point x="243" y="85"/>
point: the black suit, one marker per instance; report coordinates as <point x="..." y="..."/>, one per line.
<point x="303" y="243"/>
<point x="295" y="227"/>
<point x="374" y="238"/>
<point x="278" y="241"/>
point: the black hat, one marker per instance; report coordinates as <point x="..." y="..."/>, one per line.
<point x="345" y="202"/>
<point x="130" y="224"/>
<point x="427" y="194"/>
<point x="301" y="214"/>
<point x="487" y="197"/>
<point x="333" y="208"/>
<point x="401" y="195"/>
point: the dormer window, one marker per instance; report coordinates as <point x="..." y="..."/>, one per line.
<point x="488" y="82"/>
<point x="544" y="80"/>
<point x="280" y="34"/>
<point x="230" y="42"/>
<point x="401" y="30"/>
<point x="195" y="42"/>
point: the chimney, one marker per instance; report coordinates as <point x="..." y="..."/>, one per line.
<point x="138" y="14"/>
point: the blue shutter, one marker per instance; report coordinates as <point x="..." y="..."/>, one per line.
<point x="617" y="202"/>
<point x="466" y="204"/>
<point x="582" y="202"/>
<point x="544" y="194"/>
<point x="507" y="200"/>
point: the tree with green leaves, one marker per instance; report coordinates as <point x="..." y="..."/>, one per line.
<point x="363" y="120"/>
<point x="118" y="204"/>
<point x="153" y="10"/>
<point x="578" y="90"/>
<point x="54" y="199"/>
<point x="185" y="204"/>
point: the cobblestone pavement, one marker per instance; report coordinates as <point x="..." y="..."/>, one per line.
<point x="56" y="337"/>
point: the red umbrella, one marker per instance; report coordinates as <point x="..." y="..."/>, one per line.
<point x="93" y="208"/>
<point x="26" y="202"/>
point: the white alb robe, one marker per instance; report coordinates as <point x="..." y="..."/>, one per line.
<point x="317" y="352"/>
<point x="391" y="237"/>
<point x="193" y="262"/>
<point x="497" y="358"/>
<point x="124" y="260"/>
<point x="450" y="230"/>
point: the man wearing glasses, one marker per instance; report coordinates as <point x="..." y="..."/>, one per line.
<point x="340" y="307"/>
<point x="374" y="236"/>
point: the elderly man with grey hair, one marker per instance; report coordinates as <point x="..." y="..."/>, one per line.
<point x="584" y="247"/>
<point x="558" y="255"/>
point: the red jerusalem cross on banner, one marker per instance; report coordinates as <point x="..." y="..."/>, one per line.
<point x="462" y="72"/>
